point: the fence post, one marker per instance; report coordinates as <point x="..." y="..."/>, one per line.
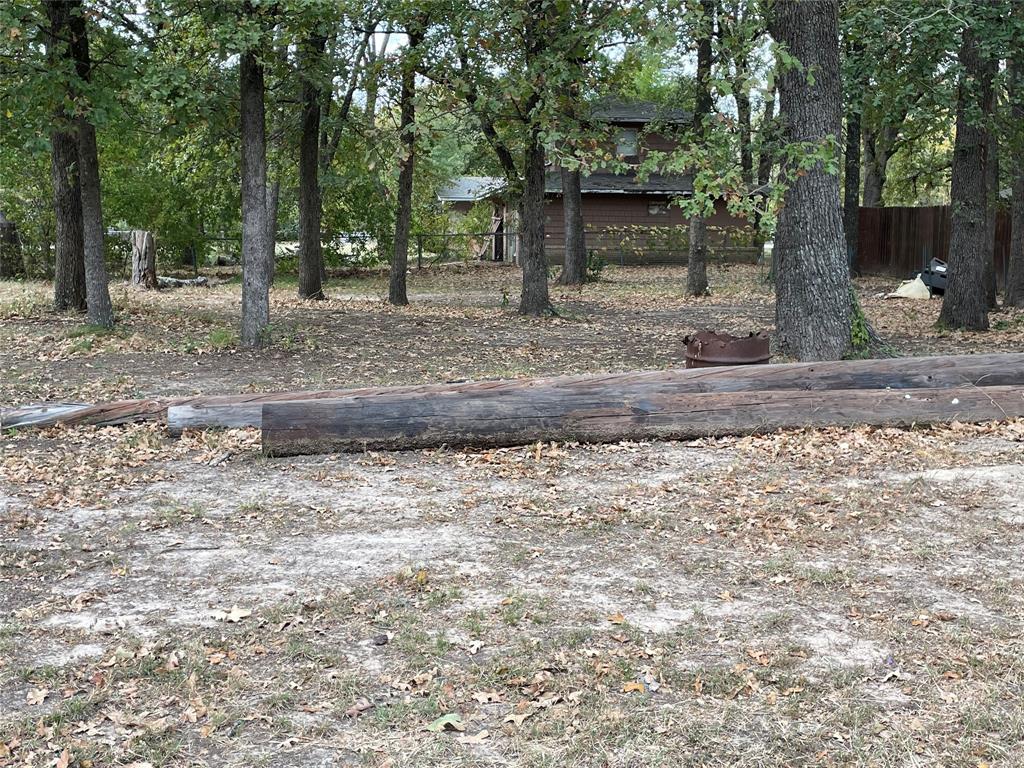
<point x="419" y="251"/>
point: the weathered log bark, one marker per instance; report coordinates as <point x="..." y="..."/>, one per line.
<point x="534" y="299"/>
<point x="697" y="257"/>
<point x="311" y="257"/>
<point x="243" y="410"/>
<point x="574" y="263"/>
<point x="257" y="267"/>
<point x="964" y="304"/>
<point x="1013" y="295"/>
<point x="143" y="259"/>
<point x="99" y="309"/>
<point x="397" y="289"/>
<point x="605" y="415"/>
<point x="812" y="280"/>
<point x="69" y="272"/>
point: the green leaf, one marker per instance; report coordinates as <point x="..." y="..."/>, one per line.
<point x="449" y="722"/>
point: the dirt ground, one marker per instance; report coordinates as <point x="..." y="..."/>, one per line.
<point x="829" y="597"/>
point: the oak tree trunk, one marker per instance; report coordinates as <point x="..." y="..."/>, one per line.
<point x="310" y="205"/>
<point x="397" y="291"/>
<point x="991" y="212"/>
<point x="851" y="189"/>
<point x="1014" y="289"/>
<point x="534" y="299"/>
<point x="812" y="281"/>
<point x="965" y="304"/>
<point x="69" y="273"/>
<point x="99" y="309"/>
<point x="273" y="201"/>
<point x="257" y="268"/>
<point x="877" y="152"/>
<point x="697" y="263"/>
<point x="574" y="265"/>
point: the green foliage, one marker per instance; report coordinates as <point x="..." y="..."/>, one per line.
<point x="595" y="266"/>
<point x="860" y="333"/>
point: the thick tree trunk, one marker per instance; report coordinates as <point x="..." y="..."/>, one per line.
<point x="812" y="280"/>
<point x="965" y="304"/>
<point x="143" y="259"/>
<point x="851" y="188"/>
<point x="574" y="265"/>
<point x="257" y="267"/>
<point x="69" y="273"/>
<point x="1013" y="295"/>
<point x="697" y="263"/>
<point x="741" y="90"/>
<point x="99" y="309"/>
<point x="397" y="292"/>
<point x="534" y="299"/>
<point x="991" y="212"/>
<point x="310" y="206"/>
<point x="97" y="289"/>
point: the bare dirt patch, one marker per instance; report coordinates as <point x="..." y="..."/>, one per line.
<point x="829" y="597"/>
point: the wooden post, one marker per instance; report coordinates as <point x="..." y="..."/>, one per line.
<point x="143" y="259"/>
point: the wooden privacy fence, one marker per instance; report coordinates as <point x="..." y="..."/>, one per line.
<point x="901" y="240"/>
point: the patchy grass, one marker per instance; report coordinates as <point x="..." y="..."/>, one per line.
<point x="811" y="598"/>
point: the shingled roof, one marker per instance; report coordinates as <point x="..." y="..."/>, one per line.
<point x="622" y="112"/>
<point x="624" y="184"/>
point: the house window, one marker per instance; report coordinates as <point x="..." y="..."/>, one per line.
<point x="657" y="209"/>
<point x="625" y="144"/>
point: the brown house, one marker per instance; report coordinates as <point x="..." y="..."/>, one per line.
<point x="628" y="219"/>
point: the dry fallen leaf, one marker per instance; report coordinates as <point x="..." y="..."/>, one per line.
<point x="633" y="687"/>
<point x="36" y="696"/>
<point x="64" y="760"/>
<point x="476" y="738"/>
<point x="487" y="697"/>
<point x="360" y="706"/>
<point x="617" y="618"/>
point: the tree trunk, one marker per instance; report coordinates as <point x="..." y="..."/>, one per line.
<point x="964" y="304"/>
<point x="851" y="187"/>
<point x="697" y="263"/>
<point x="534" y="299"/>
<point x="143" y="259"/>
<point x="741" y="91"/>
<point x="69" y="273"/>
<point x="877" y="151"/>
<point x="812" y="280"/>
<point x="273" y="200"/>
<point x="97" y="290"/>
<point x="397" y="292"/>
<point x="257" y="268"/>
<point x="1014" y="288"/>
<point x="311" y="258"/>
<point x="991" y="212"/>
<point x="574" y="265"/>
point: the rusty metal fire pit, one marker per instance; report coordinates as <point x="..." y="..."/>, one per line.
<point x="707" y="349"/>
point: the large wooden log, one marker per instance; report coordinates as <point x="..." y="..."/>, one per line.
<point x="245" y="410"/>
<point x="605" y="412"/>
<point x="899" y="373"/>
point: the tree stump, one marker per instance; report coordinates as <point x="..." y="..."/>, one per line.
<point x="143" y="259"/>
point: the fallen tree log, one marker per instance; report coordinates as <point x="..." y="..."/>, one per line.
<point x="894" y="373"/>
<point x="568" y="411"/>
<point x="245" y="410"/>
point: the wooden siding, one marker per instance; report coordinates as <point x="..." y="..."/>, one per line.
<point x="622" y="229"/>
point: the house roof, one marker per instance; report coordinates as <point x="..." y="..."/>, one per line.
<point x="620" y="111"/>
<point x="624" y="184"/>
<point x="469" y="189"/>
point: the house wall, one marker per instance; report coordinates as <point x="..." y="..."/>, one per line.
<point x="623" y="230"/>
